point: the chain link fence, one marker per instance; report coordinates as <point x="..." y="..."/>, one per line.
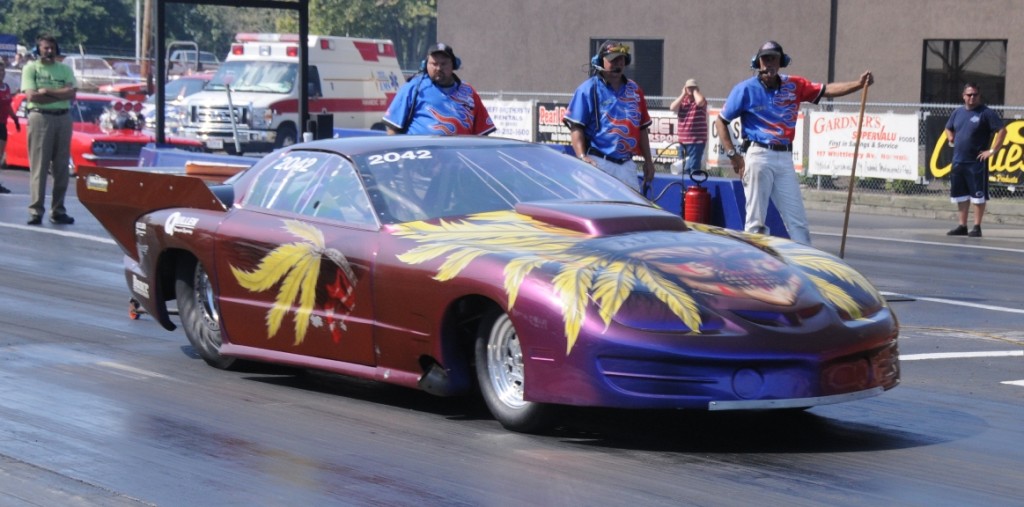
<point x="931" y="157"/>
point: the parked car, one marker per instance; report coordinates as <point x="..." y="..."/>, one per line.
<point x="451" y="264"/>
<point x="183" y="62"/>
<point x="128" y="69"/>
<point x="91" y="72"/>
<point x="133" y="91"/>
<point x="107" y="132"/>
<point x="175" y="92"/>
<point x="13" y="79"/>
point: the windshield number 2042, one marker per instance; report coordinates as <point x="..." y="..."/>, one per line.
<point x="395" y="156"/>
<point x="295" y="164"/>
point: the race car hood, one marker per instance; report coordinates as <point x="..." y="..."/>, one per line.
<point x="128" y="135"/>
<point x="601" y="218"/>
<point x="218" y="99"/>
<point x="144" y="136"/>
<point x="606" y="251"/>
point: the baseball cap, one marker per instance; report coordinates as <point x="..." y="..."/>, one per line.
<point x="770" y="48"/>
<point x="690" y="82"/>
<point x="441" y="47"/>
<point x="614" y="49"/>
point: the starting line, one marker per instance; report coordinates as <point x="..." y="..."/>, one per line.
<point x="959" y="355"/>
<point x="890" y="296"/>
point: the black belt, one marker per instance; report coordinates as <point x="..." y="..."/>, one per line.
<point x="591" y="151"/>
<point x="774" y="147"/>
<point x="51" y="112"/>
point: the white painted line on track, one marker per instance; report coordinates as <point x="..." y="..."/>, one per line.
<point x="961" y="355"/>
<point x="131" y="369"/>
<point x="1013" y="382"/>
<point x="59" y="232"/>
<point x="955" y="302"/>
<point x="921" y="242"/>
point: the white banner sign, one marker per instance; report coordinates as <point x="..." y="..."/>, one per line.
<point x="663" y="137"/>
<point x="513" y="118"/>
<point x="888" y="148"/>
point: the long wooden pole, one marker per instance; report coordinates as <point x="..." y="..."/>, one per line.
<point x="853" y="169"/>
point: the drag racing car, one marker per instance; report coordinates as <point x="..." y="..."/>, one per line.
<point x="106" y="131"/>
<point x="457" y="264"/>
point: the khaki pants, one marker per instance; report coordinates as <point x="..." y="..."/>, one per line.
<point x="49" y="153"/>
<point x="771" y="175"/>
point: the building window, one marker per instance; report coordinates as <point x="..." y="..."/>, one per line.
<point x="949" y="64"/>
<point x="646" y="66"/>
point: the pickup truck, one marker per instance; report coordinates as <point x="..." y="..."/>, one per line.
<point x="183" y="61"/>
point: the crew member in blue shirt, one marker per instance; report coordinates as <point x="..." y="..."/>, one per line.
<point x="608" y="118"/>
<point x="437" y="102"/>
<point x="768" y="105"/>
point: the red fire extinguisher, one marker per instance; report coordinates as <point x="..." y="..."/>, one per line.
<point x="697" y="206"/>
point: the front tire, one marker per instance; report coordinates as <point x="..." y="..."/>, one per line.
<point x="286" y="136"/>
<point x="197" y="307"/>
<point x="501" y="374"/>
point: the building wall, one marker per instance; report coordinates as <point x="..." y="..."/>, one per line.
<point x="543" y="46"/>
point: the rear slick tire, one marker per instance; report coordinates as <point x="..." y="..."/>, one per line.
<point x="502" y="378"/>
<point x="197" y="308"/>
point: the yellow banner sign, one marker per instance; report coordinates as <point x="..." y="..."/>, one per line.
<point x="1006" y="167"/>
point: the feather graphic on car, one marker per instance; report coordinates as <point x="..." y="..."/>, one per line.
<point x="583" y="273"/>
<point x="295" y="267"/>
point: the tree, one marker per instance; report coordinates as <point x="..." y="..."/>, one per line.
<point x="213" y="27"/>
<point x="410" y="24"/>
<point x="75" y="23"/>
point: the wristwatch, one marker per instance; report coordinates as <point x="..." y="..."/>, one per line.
<point x="730" y="153"/>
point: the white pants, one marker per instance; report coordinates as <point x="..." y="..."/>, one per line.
<point x="771" y="175"/>
<point x="625" y="171"/>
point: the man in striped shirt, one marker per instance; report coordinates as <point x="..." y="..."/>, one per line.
<point x="691" y="109"/>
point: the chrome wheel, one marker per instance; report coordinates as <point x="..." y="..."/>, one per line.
<point x="505" y="363"/>
<point x="501" y="375"/>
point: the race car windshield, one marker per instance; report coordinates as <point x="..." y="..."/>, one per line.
<point x="88" y="111"/>
<point x="429" y="182"/>
<point x="251" y="76"/>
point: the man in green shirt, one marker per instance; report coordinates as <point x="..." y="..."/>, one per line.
<point x="49" y="88"/>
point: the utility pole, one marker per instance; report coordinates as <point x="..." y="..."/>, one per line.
<point x="147" y="26"/>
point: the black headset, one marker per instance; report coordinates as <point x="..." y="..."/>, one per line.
<point x="773" y="46"/>
<point x="56" y="47"/>
<point x="441" y="47"/>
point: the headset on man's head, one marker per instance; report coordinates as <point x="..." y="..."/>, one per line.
<point x="48" y="38"/>
<point x="610" y="47"/>
<point x="441" y="47"/>
<point x="770" y="47"/>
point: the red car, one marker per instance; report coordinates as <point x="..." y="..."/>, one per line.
<point x="107" y="133"/>
<point x="135" y="91"/>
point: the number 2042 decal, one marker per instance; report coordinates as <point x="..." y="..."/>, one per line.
<point x="395" y="156"/>
<point x="295" y="164"/>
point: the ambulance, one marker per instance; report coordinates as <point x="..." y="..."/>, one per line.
<point x="353" y="79"/>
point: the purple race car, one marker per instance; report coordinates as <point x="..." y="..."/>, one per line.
<point x="451" y="264"/>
